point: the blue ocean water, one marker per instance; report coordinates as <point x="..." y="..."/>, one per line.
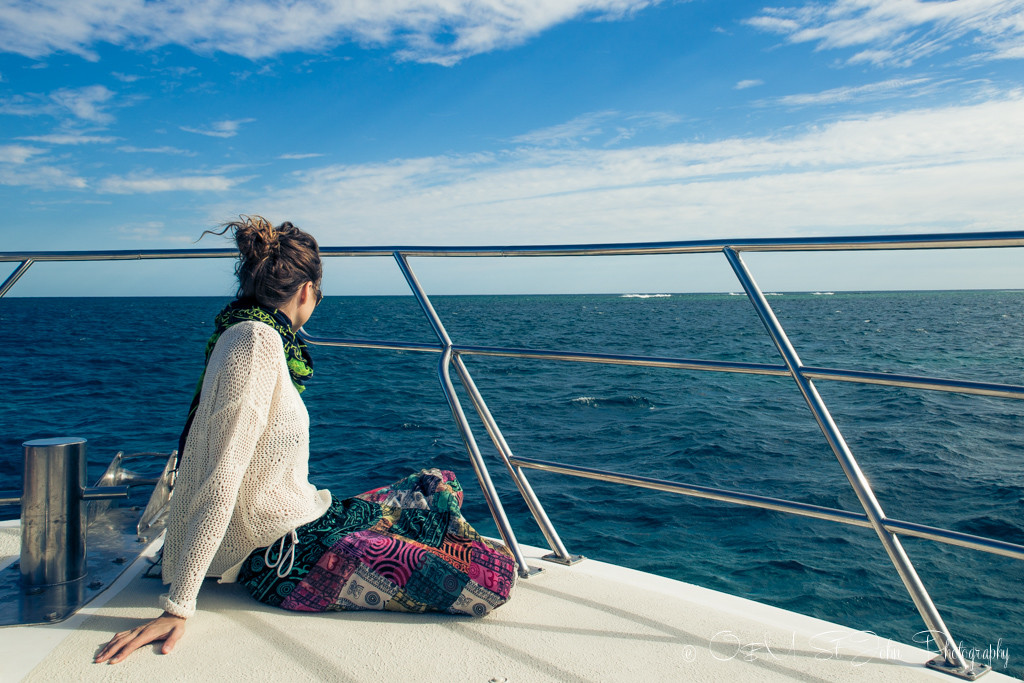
<point x="121" y="371"/>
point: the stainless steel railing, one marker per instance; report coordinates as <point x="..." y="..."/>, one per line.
<point x="951" y="660"/>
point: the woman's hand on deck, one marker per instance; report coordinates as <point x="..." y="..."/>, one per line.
<point x="166" y="627"/>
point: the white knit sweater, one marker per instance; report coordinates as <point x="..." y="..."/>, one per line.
<point x="242" y="481"/>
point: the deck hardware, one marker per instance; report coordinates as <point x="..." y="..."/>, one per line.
<point x="52" y="523"/>
<point x="972" y="671"/>
<point x="567" y="561"/>
<point x="54" y="574"/>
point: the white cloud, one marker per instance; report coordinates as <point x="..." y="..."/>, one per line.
<point x="125" y="78"/>
<point x="20" y="105"/>
<point x="157" y="150"/>
<point x="186" y="183"/>
<point x="219" y="129"/>
<point x="748" y="83"/>
<point x="17" y="154"/>
<point x="897" y="87"/>
<point x="20" y="168"/>
<point x="70" y="139"/>
<point x="441" y="31"/>
<point x="612" y="126"/>
<point x="148" y="230"/>
<point x="310" y="155"/>
<point x="886" y="172"/>
<point x="902" y="31"/>
<point x="40" y="176"/>
<point x="85" y="103"/>
<point x="581" y="129"/>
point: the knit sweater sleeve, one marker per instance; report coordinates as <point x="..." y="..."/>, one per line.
<point x="238" y="401"/>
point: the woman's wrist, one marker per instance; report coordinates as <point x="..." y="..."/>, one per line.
<point x="172" y="608"/>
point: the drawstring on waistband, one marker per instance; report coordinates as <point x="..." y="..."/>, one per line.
<point x="290" y="553"/>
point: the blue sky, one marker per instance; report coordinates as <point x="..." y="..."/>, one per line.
<point x="127" y="124"/>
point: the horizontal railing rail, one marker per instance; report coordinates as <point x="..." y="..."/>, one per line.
<point x="889" y="379"/>
<point x="965" y="240"/>
<point x="989" y="545"/>
<point x="451" y="355"/>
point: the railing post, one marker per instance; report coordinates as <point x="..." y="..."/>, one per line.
<point x="559" y="553"/>
<point x="15" y="276"/>
<point x="953" y="660"/>
<point x="475" y="457"/>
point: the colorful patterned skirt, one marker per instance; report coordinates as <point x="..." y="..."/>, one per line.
<point x="403" y="547"/>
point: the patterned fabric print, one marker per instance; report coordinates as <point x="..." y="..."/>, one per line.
<point x="426" y="490"/>
<point x="404" y="547"/>
<point x="315" y="539"/>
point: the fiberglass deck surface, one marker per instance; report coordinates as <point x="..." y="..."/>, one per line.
<point x="590" y="622"/>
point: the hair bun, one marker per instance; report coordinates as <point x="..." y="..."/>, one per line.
<point x="256" y="238"/>
<point x="273" y="262"/>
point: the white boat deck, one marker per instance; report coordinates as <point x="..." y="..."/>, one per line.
<point x="590" y="622"/>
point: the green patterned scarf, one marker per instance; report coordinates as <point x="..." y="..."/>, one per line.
<point x="300" y="365"/>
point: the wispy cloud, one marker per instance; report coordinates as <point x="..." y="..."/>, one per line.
<point x="219" y="129"/>
<point x="310" y="155"/>
<point x="877" y="173"/>
<point x="149" y="231"/>
<point x="901" y="32"/>
<point x="897" y="87"/>
<point x="125" y="78"/>
<point x="17" y="154"/>
<point x="70" y="139"/>
<point x="41" y="177"/>
<point x="611" y="127"/>
<point x="748" y="83"/>
<point x="25" y="166"/>
<point x="86" y="103"/>
<point x="22" y="105"/>
<point x="156" y="150"/>
<point x="418" y="30"/>
<point x="186" y="183"/>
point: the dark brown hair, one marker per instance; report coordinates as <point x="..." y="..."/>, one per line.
<point x="273" y="263"/>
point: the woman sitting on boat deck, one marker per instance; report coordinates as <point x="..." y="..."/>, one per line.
<point x="243" y="508"/>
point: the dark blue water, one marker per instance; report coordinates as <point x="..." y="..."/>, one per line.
<point x="120" y="372"/>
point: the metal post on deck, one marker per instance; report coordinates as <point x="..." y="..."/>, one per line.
<point x="53" y="524"/>
<point x="951" y="660"/>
